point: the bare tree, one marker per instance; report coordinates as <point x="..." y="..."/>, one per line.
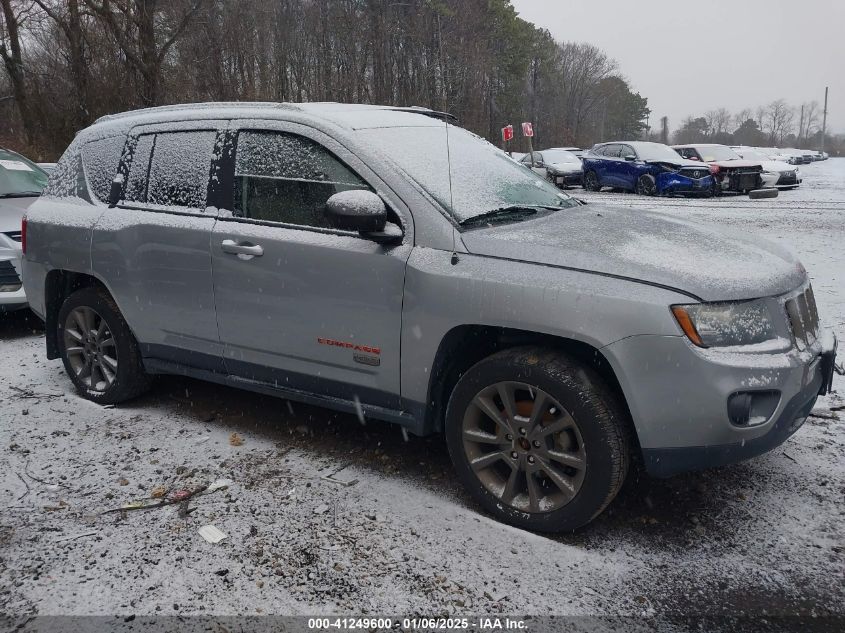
<point x="779" y="120"/>
<point x="11" y="52"/>
<point x="133" y="25"/>
<point x="742" y="116"/>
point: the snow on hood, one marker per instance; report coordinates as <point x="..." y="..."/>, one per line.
<point x="11" y="212"/>
<point x="680" y="161"/>
<point x="573" y="166"/>
<point x="734" y="163"/>
<point x="710" y="263"/>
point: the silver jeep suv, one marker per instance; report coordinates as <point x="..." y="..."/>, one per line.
<point x="384" y="261"/>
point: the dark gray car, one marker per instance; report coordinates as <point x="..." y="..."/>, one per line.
<point x="328" y="254"/>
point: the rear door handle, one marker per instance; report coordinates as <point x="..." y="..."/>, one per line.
<point x="242" y="248"/>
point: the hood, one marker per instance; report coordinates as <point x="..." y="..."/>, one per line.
<point x="11" y="212"/>
<point x="709" y="263"/>
<point x="565" y="167"/>
<point x="680" y="162"/>
<point x="776" y="165"/>
<point x="734" y="163"/>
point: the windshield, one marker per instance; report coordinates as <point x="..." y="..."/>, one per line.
<point x="559" y="156"/>
<point x="656" y="151"/>
<point x="717" y="152"/>
<point x="483" y="178"/>
<point x="752" y="154"/>
<point x="19" y="177"/>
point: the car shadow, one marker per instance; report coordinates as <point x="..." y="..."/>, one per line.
<point x="19" y="324"/>
<point x="669" y="510"/>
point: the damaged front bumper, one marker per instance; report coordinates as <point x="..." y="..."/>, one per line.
<point x="669" y="182"/>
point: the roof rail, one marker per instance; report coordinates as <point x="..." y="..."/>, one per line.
<point x="196" y="106"/>
<point x="445" y="116"/>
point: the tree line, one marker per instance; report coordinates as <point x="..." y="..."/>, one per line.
<point x="68" y="62"/>
<point x="777" y="124"/>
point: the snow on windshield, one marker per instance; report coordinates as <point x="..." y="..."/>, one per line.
<point x="717" y="152"/>
<point x="483" y="178"/>
<point x="656" y="151"/>
<point x="560" y="156"/>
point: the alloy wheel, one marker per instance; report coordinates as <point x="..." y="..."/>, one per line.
<point x="91" y="349"/>
<point x="524" y="447"/>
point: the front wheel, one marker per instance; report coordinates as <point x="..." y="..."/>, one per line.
<point x="99" y="352"/>
<point x="538" y="439"/>
<point x="646" y="185"/>
<point x="591" y="181"/>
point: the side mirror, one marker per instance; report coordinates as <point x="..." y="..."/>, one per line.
<point x="116" y="191"/>
<point x="692" y="158"/>
<point x="630" y="158"/>
<point x="362" y="211"/>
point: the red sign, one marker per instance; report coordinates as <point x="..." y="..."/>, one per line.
<point x="527" y="129"/>
<point x="507" y="133"/>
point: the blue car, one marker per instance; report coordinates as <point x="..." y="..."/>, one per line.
<point x="650" y="169"/>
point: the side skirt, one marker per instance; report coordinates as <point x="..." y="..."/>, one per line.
<point x="413" y="424"/>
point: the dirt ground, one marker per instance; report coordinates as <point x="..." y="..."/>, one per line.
<point x="324" y="514"/>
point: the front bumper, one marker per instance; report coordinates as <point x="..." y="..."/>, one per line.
<point x="12" y="295"/>
<point x="671" y="182"/>
<point x="567" y="179"/>
<point x="678" y="397"/>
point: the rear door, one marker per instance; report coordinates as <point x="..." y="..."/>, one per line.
<point x="629" y="170"/>
<point x="300" y="304"/>
<point x="152" y="249"/>
<point x="609" y="168"/>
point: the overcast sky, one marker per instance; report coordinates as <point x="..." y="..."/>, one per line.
<point x="689" y="57"/>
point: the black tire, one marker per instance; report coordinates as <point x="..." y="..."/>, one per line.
<point x="603" y="438"/>
<point x="129" y="380"/>
<point x="646" y="185"/>
<point x="591" y="181"/>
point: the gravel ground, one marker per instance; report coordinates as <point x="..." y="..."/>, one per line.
<point x="326" y="515"/>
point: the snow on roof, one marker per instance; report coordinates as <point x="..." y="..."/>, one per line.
<point x="352" y="116"/>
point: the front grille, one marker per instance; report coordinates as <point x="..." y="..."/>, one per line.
<point x="803" y="317"/>
<point x="787" y="178"/>
<point x="15" y="235"/>
<point x="695" y="173"/>
<point x="9" y="280"/>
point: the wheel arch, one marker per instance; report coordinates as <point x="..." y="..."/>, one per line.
<point x="59" y="284"/>
<point x="465" y="345"/>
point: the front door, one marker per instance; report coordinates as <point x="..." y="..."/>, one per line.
<point x="301" y="305"/>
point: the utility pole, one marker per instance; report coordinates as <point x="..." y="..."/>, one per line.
<point x="824" y="119"/>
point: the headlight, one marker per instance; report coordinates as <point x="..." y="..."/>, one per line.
<point x="726" y="324"/>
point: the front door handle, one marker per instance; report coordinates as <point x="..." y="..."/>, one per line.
<point x="242" y="248"/>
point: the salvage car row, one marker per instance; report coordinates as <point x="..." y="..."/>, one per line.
<point x="699" y="169"/>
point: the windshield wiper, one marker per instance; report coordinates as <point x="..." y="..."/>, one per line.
<point x="21" y="194"/>
<point x="513" y="212"/>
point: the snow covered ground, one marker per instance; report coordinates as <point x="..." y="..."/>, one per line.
<point x="763" y="537"/>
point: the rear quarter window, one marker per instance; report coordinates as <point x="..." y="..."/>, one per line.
<point x="68" y="178"/>
<point x="100" y="159"/>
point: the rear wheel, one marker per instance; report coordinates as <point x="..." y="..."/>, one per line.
<point x="591" y="181"/>
<point x="538" y="439"/>
<point x="99" y="352"/>
<point x="646" y="185"/>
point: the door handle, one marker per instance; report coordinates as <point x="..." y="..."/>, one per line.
<point x="244" y="248"/>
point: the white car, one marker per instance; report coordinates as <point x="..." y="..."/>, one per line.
<point x="788" y="176"/>
<point x="21" y="182"/>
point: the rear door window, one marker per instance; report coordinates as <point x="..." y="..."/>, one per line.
<point x="283" y="177"/>
<point x="171" y="169"/>
<point x="179" y="169"/>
